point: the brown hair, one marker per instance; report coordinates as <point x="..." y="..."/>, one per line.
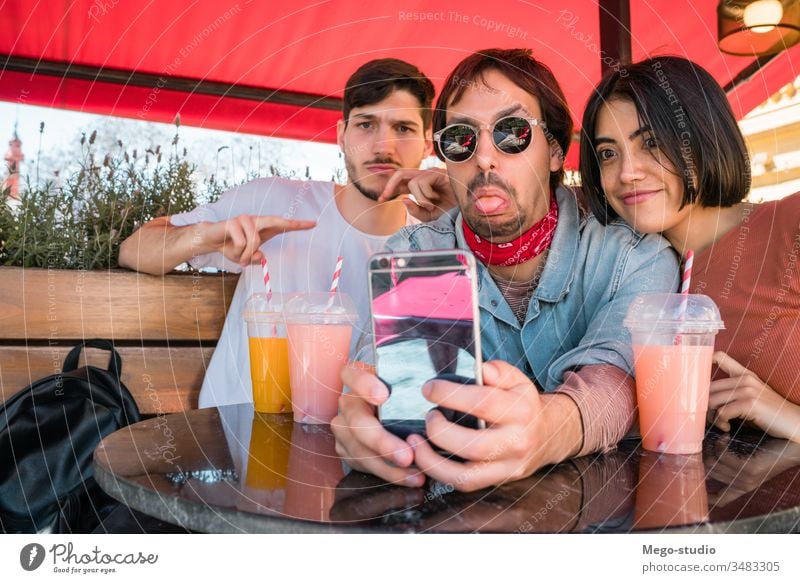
<point x="527" y="73"/>
<point x="375" y="80"/>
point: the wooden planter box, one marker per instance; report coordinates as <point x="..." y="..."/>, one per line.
<point x="165" y="328"/>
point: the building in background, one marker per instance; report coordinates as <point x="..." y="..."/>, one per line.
<point x="13" y="158"/>
<point x="772" y="133"/>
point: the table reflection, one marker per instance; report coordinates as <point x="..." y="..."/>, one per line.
<point x="588" y="494"/>
<point x="314" y="472"/>
<point x="671" y="490"/>
<point x="275" y="474"/>
<point x="750" y="477"/>
<point x="291" y="469"/>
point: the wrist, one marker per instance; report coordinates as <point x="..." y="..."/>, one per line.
<point x="792" y="421"/>
<point x="199" y="243"/>
<point x="564" y="427"/>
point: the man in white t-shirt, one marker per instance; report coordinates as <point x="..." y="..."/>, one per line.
<point x="386" y="127"/>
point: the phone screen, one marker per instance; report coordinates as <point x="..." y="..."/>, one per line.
<point x="424" y="319"/>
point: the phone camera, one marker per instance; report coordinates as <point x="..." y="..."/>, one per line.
<point x="384" y="263"/>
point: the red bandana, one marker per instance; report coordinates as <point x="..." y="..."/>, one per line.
<point x="524" y="248"/>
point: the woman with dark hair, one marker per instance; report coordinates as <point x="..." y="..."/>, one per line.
<point x="661" y="150"/>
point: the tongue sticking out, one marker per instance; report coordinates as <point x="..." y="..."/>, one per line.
<point x="488" y="205"/>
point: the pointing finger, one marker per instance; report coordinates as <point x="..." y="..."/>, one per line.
<point x="265" y="223"/>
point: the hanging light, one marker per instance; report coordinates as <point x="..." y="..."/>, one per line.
<point x="762" y="16"/>
<point x="758" y="27"/>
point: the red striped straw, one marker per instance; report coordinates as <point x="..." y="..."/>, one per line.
<point x="267" y="286"/>
<point x="337" y="273"/>
<point x="686" y="280"/>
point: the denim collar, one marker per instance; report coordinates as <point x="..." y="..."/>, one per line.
<point x="562" y="256"/>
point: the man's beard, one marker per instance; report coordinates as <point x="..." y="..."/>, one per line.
<point x="356" y="180"/>
<point x="481" y="224"/>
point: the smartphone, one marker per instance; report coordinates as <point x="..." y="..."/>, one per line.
<point x="425" y="325"/>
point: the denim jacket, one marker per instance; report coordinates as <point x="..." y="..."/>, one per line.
<point x="575" y="315"/>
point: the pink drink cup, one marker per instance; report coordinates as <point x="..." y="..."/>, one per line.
<point x="672" y="393"/>
<point x="319" y="333"/>
<point x="673" y="342"/>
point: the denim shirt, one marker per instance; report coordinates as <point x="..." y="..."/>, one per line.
<point x="575" y="315"/>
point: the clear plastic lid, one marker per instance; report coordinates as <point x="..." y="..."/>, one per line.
<point x="262" y="309"/>
<point x="321" y="308"/>
<point x="692" y="313"/>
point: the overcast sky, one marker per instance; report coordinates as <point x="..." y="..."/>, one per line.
<point x="62" y="127"/>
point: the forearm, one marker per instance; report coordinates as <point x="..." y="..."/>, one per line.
<point x="158" y="246"/>
<point x="564" y="429"/>
<point x="605" y="396"/>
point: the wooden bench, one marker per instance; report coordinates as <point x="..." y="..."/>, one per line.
<point x="165" y="328"/>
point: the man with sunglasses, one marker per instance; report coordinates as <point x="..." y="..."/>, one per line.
<point x="554" y="288"/>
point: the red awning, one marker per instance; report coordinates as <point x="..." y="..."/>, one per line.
<point x="267" y="67"/>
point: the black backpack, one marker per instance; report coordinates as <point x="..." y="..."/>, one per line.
<point x="48" y="433"/>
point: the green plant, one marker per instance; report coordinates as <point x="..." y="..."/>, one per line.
<point x="80" y="224"/>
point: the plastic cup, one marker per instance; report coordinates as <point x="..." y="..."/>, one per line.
<point x="319" y="327"/>
<point x="269" y="352"/>
<point x="673" y="343"/>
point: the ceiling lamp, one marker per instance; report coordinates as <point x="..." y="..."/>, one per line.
<point x="758" y="27"/>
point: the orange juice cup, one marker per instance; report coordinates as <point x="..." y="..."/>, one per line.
<point x="269" y="353"/>
<point x="673" y="342"/>
<point x="319" y="327"/>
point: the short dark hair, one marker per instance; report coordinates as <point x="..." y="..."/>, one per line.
<point x="690" y="117"/>
<point x="375" y="80"/>
<point x="524" y="71"/>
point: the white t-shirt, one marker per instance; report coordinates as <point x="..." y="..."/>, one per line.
<point x="298" y="261"/>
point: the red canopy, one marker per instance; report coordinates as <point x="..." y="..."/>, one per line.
<point x="278" y="68"/>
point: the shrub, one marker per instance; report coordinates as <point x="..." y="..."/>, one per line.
<point x="80" y="223"/>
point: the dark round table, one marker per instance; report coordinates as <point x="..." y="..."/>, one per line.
<point x="228" y="469"/>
